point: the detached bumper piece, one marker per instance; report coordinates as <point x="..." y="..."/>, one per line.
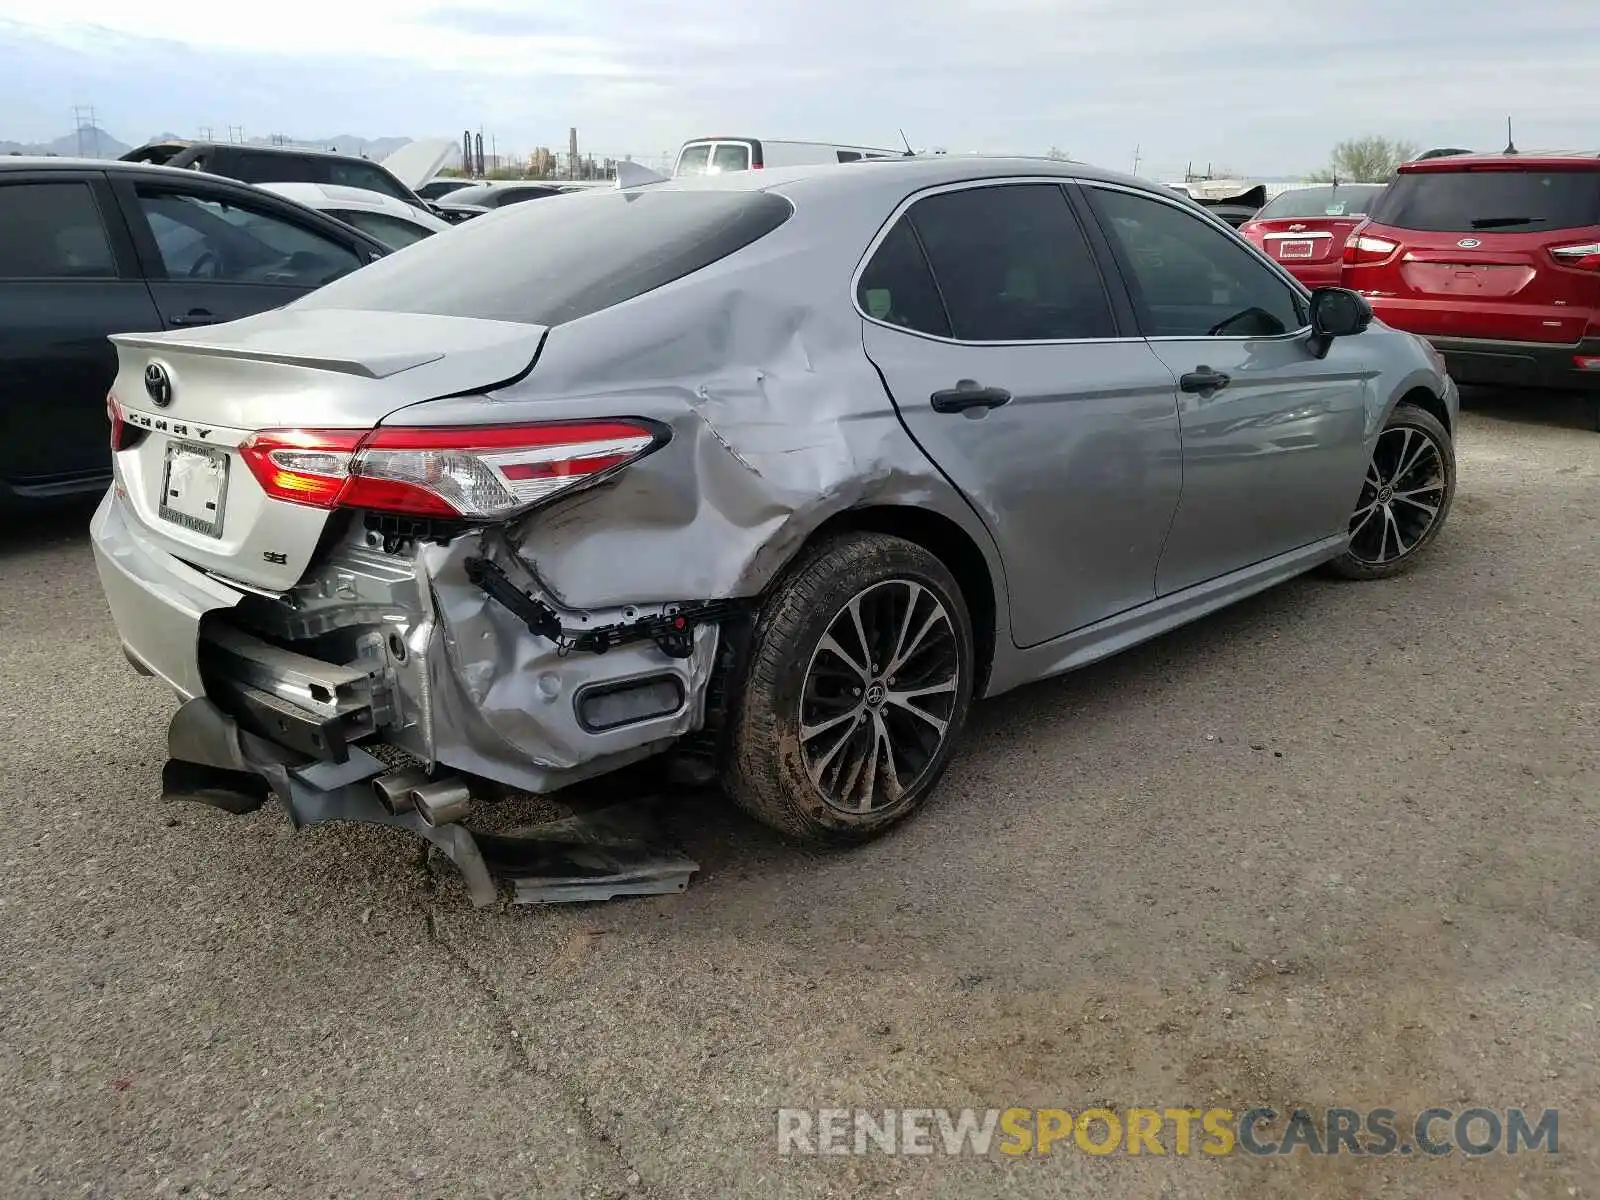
<point x="217" y="759"/>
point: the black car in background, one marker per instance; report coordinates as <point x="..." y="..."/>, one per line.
<point x="90" y="248"/>
<point x="276" y="164"/>
<point x="481" y="197"/>
<point x="438" y="189"/>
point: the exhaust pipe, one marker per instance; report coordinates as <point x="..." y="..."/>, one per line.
<point x="442" y="801"/>
<point x="394" y="789"/>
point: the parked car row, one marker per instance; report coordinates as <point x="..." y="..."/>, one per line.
<point x="174" y="235"/>
<point x="1495" y="258"/>
<point x="90" y="248"/>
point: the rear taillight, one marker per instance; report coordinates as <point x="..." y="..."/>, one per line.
<point x="484" y="472"/>
<point x="1362" y="249"/>
<point x="1585" y="257"/>
<point x="123" y="435"/>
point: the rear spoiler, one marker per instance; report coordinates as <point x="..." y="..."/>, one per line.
<point x="374" y="366"/>
<point x="1254" y="197"/>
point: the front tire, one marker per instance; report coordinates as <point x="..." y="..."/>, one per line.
<point x="1405" y="497"/>
<point x="858" y="682"/>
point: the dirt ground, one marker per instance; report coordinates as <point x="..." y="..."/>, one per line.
<point x="1334" y="847"/>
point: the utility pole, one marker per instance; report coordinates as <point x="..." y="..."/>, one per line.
<point x="87" y="130"/>
<point x="236" y="133"/>
<point x="206" y="134"/>
<point x="1136" y="161"/>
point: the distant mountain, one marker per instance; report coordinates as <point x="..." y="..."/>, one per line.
<point x="97" y="143"/>
<point x="92" y="143"/>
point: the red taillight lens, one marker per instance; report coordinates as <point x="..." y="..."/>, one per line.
<point x="476" y="472"/>
<point x="1361" y="249"/>
<point x="123" y="435"/>
<point x="307" y="466"/>
<point x="1585" y="257"/>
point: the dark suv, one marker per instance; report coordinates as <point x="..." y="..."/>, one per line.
<point x="94" y="247"/>
<point x="1495" y="258"/>
<point x="276" y="164"/>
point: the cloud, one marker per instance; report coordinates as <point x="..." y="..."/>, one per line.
<point x="1094" y="77"/>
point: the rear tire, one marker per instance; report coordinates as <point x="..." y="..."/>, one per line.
<point x="857" y="684"/>
<point x="1405" y="497"/>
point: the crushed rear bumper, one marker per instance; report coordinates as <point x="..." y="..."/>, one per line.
<point x="404" y="649"/>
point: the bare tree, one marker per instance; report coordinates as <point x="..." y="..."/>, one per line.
<point x="1365" y="160"/>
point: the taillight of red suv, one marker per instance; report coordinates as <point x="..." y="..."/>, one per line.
<point x="1362" y="249"/>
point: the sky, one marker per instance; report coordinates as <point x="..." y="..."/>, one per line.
<point x="1261" y="88"/>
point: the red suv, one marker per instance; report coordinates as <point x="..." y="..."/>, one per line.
<point x="1495" y="259"/>
<point x="1305" y="229"/>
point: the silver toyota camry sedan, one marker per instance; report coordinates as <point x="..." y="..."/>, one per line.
<point x="773" y="472"/>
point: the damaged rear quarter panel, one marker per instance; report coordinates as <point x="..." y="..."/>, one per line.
<point x="779" y="422"/>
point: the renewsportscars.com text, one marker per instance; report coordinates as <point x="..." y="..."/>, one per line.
<point x="1259" y="1132"/>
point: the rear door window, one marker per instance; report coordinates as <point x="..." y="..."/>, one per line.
<point x="1012" y="264"/>
<point x="563" y="259"/>
<point x="730" y="156"/>
<point x="208" y="239"/>
<point x="694" y="160"/>
<point x="347" y="173"/>
<point x="271" y="168"/>
<point x="1490" y="201"/>
<point x="52" y="231"/>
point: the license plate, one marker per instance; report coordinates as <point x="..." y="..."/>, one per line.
<point x="1287" y="249"/>
<point x="194" y="487"/>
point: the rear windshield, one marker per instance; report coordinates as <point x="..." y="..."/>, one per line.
<point x="564" y="258"/>
<point x="1497" y="201"/>
<point x="1342" y="200"/>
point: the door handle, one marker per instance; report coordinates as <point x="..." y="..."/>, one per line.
<point x="968" y="393"/>
<point x="1203" y="379"/>
<point x="195" y="316"/>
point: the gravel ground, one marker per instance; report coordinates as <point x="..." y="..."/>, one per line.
<point x="1334" y="846"/>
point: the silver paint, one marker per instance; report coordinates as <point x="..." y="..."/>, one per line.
<point x="1104" y="505"/>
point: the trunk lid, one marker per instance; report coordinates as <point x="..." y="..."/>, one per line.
<point x="1500" y="287"/>
<point x="188" y="400"/>
<point x="1303" y="241"/>
<point x="1477" y="249"/>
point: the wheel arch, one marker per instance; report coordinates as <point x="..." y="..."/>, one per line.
<point x="1425" y="399"/>
<point x="953" y="546"/>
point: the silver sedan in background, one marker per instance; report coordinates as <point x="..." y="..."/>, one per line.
<point x="774" y="472"/>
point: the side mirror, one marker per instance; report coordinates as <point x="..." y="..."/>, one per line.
<point x="1336" y="312"/>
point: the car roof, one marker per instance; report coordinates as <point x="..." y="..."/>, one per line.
<point x="334" y="198"/>
<point x="23" y="162"/>
<point x="317" y="194"/>
<point x="1532" y="161"/>
<point x="912" y="173"/>
<point x="194" y="144"/>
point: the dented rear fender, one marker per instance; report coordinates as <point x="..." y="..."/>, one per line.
<point x="779" y="424"/>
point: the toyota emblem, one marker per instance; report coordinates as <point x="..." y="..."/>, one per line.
<point x="158" y="384"/>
